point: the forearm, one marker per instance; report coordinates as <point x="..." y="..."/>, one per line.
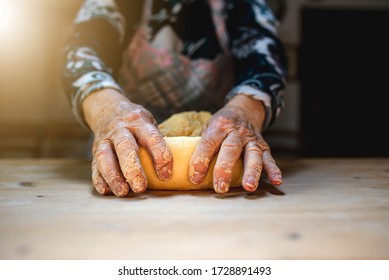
<point x="258" y="55"/>
<point x="92" y="53"/>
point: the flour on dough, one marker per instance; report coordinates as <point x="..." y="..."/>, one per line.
<point x="188" y="123"/>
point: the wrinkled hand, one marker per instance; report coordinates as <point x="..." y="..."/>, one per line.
<point x="232" y="131"/>
<point x="120" y="127"/>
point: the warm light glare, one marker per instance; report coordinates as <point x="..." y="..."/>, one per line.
<point x="8" y="14"/>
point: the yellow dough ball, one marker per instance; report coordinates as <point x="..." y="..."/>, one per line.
<point x="182" y="148"/>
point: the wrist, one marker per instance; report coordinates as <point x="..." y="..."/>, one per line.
<point x="96" y="103"/>
<point x="253" y="108"/>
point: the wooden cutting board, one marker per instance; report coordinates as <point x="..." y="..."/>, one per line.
<point x="326" y="209"/>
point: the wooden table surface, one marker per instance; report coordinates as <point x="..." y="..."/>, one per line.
<point x="326" y="209"/>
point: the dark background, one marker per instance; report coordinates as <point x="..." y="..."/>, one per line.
<point x="344" y="60"/>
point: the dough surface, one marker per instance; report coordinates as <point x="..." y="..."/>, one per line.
<point x="185" y="124"/>
<point x="182" y="134"/>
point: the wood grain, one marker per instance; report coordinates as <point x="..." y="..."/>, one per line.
<point x="326" y="209"/>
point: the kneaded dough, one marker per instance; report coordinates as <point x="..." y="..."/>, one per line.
<point x="182" y="148"/>
<point x="185" y="124"/>
<point x="182" y="134"/>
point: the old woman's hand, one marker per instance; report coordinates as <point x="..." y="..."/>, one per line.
<point x="233" y="131"/>
<point x="119" y="128"/>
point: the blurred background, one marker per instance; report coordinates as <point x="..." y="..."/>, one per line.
<point x="335" y="100"/>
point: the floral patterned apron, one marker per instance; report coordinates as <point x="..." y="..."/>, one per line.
<point x="165" y="81"/>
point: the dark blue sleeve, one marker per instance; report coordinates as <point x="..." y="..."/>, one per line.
<point x="92" y="53"/>
<point x="258" y="54"/>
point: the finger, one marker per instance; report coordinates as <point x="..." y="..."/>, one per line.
<point x="152" y="140"/>
<point x="205" y="151"/>
<point x="229" y="154"/>
<point x="128" y="155"/>
<point x="110" y="170"/>
<point x="252" y="166"/>
<point x="98" y="181"/>
<point x="272" y="171"/>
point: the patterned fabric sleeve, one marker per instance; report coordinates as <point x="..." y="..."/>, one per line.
<point x="258" y="54"/>
<point x="92" y="52"/>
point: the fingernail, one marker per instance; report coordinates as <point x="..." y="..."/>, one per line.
<point x="251" y="183"/>
<point x="137" y="188"/>
<point x="121" y="191"/>
<point x="197" y="177"/>
<point x="222" y="186"/>
<point x="277" y="180"/>
<point x="164" y="173"/>
<point x="102" y="189"/>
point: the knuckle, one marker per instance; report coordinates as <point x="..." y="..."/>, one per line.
<point x="221" y="121"/>
<point x="155" y="138"/>
<point x="111" y="176"/>
<point x="231" y="152"/>
<point x="232" y="147"/>
<point x="224" y="168"/>
<point x="255" y="167"/>
<point x="208" y="144"/>
<point x="122" y="143"/>
<point x="253" y="147"/>
<point x="139" y="113"/>
<point x="132" y="169"/>
<point x="101" y="149"/>
<point x="245" y="131"/>
<point x="115" y="124"/>
<point x="132" y="161"/>
<point x="136" y="114"/>
<point x="133" y="173"/>
<point x="263" y="145"/>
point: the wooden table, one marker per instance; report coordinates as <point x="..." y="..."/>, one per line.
<point x="326" y="209"/>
